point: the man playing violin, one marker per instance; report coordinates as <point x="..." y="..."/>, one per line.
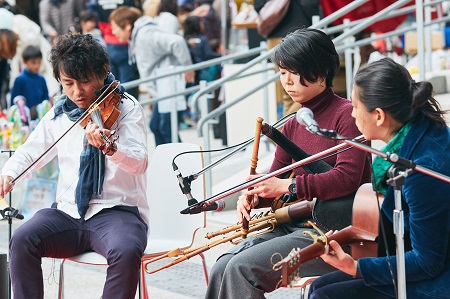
<point x="101" y="201"/>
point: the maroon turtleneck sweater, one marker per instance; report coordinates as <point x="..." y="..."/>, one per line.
<point x="350" y="168"/>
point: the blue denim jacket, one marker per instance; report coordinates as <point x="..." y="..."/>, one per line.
<point x="426" y="207"/>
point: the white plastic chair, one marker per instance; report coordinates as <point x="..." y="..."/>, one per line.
<point x="168" y="228"/>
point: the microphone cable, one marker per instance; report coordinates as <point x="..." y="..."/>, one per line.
<point x="283" y="119"/>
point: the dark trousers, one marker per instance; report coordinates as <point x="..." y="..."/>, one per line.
<point x="246" y="271"/>
<point x="118" y="234"/>
<point x="160" y="125"/>
<point x="339" y="285"/>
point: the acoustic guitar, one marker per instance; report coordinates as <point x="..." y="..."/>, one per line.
<point x="361" y="235"/>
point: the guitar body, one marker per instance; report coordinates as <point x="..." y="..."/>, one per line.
<point x="366" y="213"/>
<point x="361" y="235"/>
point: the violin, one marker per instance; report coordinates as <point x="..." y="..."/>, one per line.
<point x="103" y="111"/>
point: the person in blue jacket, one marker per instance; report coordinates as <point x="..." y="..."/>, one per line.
<point x="389" y="105"/>
<point x="30" y="83"/>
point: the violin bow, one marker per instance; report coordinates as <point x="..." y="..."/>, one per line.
<point x="253" y="164"/>
<point x="85" y="114"/>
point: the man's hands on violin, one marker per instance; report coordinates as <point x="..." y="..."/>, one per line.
<point x="269" y="188"/>
<point x="101" y="138"/>
<point x="6" y="185"/>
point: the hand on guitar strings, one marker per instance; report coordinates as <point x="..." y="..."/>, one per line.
<point x="337" y="258"/>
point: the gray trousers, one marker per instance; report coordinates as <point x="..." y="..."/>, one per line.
<point x="246" y="271"/>
<point x="118" y="234"/>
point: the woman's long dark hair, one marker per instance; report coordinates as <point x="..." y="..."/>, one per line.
<point x="309" y="53"/>
<point x="388" y="85"/>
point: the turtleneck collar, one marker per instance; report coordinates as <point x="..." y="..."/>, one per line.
<point x="28" y="73"/>
<point x="320" y="102"/>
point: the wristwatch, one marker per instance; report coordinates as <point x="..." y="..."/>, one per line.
<point x="293" y="186"/>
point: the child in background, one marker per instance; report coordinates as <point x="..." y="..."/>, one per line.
<point x="200" y="51"/>
<point x="30" y="83"/>
<point x="199" y="47"/>
<point x="87" y="24"/>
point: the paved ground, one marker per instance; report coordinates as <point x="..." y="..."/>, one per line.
<point x="182" y="281"/>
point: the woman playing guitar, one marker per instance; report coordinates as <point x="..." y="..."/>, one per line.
<point x="390" y="106"/>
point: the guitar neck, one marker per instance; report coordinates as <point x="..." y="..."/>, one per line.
<point x="291" y="263"/>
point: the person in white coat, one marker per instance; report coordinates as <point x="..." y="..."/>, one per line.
<point x="155" y="51"/>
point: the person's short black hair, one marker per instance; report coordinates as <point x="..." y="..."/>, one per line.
<point x="79" y="56"/>
<point x="31" y="52"/>
<point x="309" y="53"/>
<point x="192" y="26"/>
<point x="201" y="2"/>
<point x="168" y="6"/>
<point x="185" y="8"/>
<point x="87" y="15"/>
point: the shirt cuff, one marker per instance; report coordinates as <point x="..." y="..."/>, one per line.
<point x="118" y="156"/>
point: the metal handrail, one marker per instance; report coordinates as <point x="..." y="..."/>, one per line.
<point x="194" y="67"/>
<point x="221" y="109"/>
<point x="390" y="14"/>
<point x="195" y="88"/>
<point x="369" y="21"/>
<point x="368" y="40"/>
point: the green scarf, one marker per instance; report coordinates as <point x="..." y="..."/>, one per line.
<point x="380" y="166"/>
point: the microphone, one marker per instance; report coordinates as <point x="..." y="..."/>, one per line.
<point x="306" y="117"/>
<point x="216" y="206"/>
<point x="294" y="151"/>
<point x="185" y="185"/>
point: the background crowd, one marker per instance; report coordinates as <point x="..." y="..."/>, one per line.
<point x="29" y="29"/>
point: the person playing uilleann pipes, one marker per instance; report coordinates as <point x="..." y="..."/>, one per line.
<point x="308" y="62"/>
<point x="389" y="105"/>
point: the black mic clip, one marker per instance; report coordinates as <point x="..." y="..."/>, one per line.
<point x="185" y="184"/>
<point x="330" y="134"/>
<point x="9" y="213"/>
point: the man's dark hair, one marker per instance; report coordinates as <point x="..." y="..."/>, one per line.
<point x="31" y="52"/>
<point x="80" y="57"/>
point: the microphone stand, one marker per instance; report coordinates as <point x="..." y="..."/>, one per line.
<point x="397" y="173"/>
<point x="187" y="180"/>
<point x="9" y="213"/>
